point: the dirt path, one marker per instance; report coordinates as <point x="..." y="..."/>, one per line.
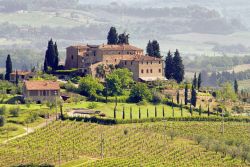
<point x="31" y="130"/>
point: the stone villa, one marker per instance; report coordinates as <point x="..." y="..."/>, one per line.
<point x="87" y="58"/>
<point x="40" y="91"/>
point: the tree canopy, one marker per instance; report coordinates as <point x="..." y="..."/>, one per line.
<point x="51" y="56"/>
<point x="140" y="92"/>
<point x="169" y="73"/>
<point x="90" y="87"/>
<point x="178" y="67"/>
<point x="8" y="68"/>
<point x="153" y="49"/>
<point x="112" y="36"/>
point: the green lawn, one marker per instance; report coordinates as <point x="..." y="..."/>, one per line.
<point x="108" y="109"/>
<point x="13" y="130"/>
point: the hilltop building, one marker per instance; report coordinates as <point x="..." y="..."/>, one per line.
<point x="21" y="76"/>
<point x="87" y="58"/>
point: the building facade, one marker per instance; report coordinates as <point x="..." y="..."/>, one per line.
<point x="20" y="76"/>
<point x="88" y="58"/>
<point x="40" y="91"/>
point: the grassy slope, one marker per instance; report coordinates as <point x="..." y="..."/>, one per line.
<point x="142" y="145"/>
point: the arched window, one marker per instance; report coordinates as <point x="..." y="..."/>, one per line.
<point x="142" y="71"/>
<point x="159" y="70"/>
<point x="147" y="70"/>
<point x="151" y="71"/>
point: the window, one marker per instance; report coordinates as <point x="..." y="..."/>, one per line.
<point x="159" y="62"/>
<point x="147" y="62"/>
<point x="72" y="57"/>
<point x="147" y="70"/>
<point x="125" y="63"/>
<point x="151" y="62"/>
<point x="94" y="53"/>
<point x="44" y="93"/>
<point x="131" y="63"/>
<point x="142" y="62"/>
<point x="159" y="70"/>
<point x="142" y="71"/>
<point x="151" y="71"/>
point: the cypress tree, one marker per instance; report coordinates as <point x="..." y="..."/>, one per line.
<point x="123" y="113"/>
<point x="115" y="113"/>
<point x="149" y="49"/>
<point x="123" y="39"/>
<point x="199" y="81"/>
<point x="200" y="110"/>
<point x="163" y="112"/>
<point x="208" y="111"/>
<point x="173" y="107"/>
<point x="155" y="112"/>
<point x="156" y="49"/>
<point x="131" y="115"/>
<point x="191" y="111"/>
<point x="195" y="81"/>
<point x="45" y="66"/>
<point x="236" y="86"/>
<point x="112" y="37"/>
<point x="178" y="67"/>
<point x="193" y="96"/>
<point x="139" y="112"/>
<point x="186" y="94"/>
<point x="17" y="78"/>
<point x="169" y="71"/>
<point x="56" y="61"/>
<point x="8" y="68"/>
<point x="181" y="110"/>
<point x="178" y="97"/>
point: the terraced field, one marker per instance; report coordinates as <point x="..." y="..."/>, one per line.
<point x="149" y="144"/>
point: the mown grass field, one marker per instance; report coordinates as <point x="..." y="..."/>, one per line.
<point x="149" y="144"/>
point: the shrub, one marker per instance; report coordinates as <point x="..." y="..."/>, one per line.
<point x="157" y="97"/>
<point x="2" y="121"/>
<point x="92" y="105"/>
<point x="198" y="139"/>
<point x="140" y="92"/>
<point x="2" y="110"/>
<point x="234" y="151"/>
<point x="14" y="111"/>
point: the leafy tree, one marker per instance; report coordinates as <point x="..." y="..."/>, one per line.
<point x="8" y="68"/>
<point x="193" y="96"/>
<point x="226" y="92"/>
<point x="169" y="71"/>
<point x="123" y="39"/>
<point x="140" y="92"/>
<point x="112" y="36"/>
<point x="236" y="86"/>
<point x="199" y="81"/>
<point x="195" y="81"/>
<point x="150" y="50"/>
<point x="90" y="86"/>
<point x="178" y="67"/>
<point x="186" y="94"/>
<point x="118" y="80"/>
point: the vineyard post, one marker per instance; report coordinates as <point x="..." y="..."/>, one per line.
<point x="173" y="107"/>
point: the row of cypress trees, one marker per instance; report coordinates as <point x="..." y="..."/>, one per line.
<point x="51" y="57"/>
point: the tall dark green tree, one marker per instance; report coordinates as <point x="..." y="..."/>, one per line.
<point x="186" y="94"/>
<point x="51" y="55"/>
<point x="178" y="97"/>
<point x="56" y="61"/>
<point x="193" y="96"/>
<point x="123" y="38"/>
<point x="178" y="67"/>
<point x="150" y="50"/>
<point x="199" y="81"/>
<point x="112" y="36"/>
<point x="156" y="49"/>
<point x="169" y="71"/>
<point x="45" y="66"/>
<point x="17" y="76"/>
<point x="195" y="81"/>
<point x="8" y="68"/>
<point x="236" y="86"/>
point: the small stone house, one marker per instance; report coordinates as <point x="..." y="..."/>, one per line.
<point x="40" y="91"/>
<point x="21" y="76"/>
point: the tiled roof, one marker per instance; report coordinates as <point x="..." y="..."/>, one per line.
<point x="119" y="47"/>
<point x="79" y="46"/>
<point x="142" y="58"/>
<point x="41" y="85"/>
<point x="21" y="72"/>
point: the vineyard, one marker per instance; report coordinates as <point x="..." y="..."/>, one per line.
<point x="148" y="144"/>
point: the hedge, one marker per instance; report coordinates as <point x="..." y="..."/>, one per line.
<point x="109" y="121"/>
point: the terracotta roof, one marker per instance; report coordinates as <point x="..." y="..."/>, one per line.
<point x="79" y="46"/>
<point x="119" y="47"/>
<point x="142" y="58"/>
<point x="41" y="85"/>
<point x="21" y="73"/>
